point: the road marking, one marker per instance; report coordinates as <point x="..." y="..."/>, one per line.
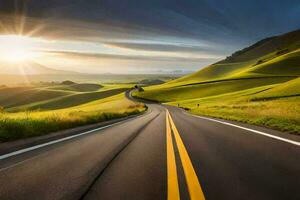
<point x="173" y="188"/>
<point x="252" y="130"/>
<point x="193" y="184"/>
<point x="21" y="151"/>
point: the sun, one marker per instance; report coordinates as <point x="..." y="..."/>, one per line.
<point x="17" y="55"/>
<point x="16" y="48"/>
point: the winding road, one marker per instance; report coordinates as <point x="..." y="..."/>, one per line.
<point x="164" y="154"/>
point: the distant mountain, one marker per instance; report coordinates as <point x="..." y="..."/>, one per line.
<point x="29" y="68"/>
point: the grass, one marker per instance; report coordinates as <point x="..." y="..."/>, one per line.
<point x="288" y="89"/>
<point x="288" y="64"/>
<point x="34" y="123"/>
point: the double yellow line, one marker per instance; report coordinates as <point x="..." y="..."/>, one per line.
<point x="194" y="188"/>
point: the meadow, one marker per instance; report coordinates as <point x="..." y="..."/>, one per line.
<point x="259" y="106"/>
<point x="37" y="110"/>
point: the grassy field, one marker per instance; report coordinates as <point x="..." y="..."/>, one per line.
<point x="62" y="109"/>
<point x="282" y="113"/>
<point x="258" y="85"/>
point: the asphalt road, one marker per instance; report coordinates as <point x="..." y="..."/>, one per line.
<point x="159" y="155"/>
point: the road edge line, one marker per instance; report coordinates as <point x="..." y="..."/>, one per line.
<point x="249" y="129"/>
<point x="25" y="150"/>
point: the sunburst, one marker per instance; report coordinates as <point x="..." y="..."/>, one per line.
<point x="17" y="36"/>
<point x="16" y="48"/>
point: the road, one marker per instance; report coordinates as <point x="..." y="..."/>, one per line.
<point x="163" y="154"/>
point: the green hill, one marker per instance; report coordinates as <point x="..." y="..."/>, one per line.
<point x="205" y="89"/>
<point x="280" y="53"/>
<point x="16" y="96"/>
<point x="51" y="97"/>
<point x="237" y="87"/>
<point x="72" y="100"/>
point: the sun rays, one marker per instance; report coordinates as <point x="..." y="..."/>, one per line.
<point x="16" y="48"/>
<point x="18" y="44"/>
<point x="26" y="39"/>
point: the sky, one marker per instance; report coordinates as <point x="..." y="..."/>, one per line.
<point x="136" y="36"/>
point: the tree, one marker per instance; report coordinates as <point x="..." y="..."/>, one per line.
<point x="141" y="89"/>
<point x="67" y="82"/>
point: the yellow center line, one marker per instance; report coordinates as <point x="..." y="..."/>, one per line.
<point x="173" y="189"/>
<point x="193" y="184"/>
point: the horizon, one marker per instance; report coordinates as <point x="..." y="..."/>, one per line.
<point x="152" y="37"/>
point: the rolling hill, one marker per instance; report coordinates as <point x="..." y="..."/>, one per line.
<point x="275" y="56"/>
<point x="57" y="96"/>
<point x="259" y="84"/>
<point x="72" y="100"/>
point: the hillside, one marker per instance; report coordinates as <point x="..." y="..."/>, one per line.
<point x="259" y="85"/>
<point x="290" y="41"/>
<point x="280" y="53"/>
<point x="72" y="100"/>
<point x="287" y="89"/>
<point x="55" y="96"/>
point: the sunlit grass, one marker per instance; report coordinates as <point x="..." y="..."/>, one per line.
<point x="282" y="113"/>
<point x="34" y="123"/>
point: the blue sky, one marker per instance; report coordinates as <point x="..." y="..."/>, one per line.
<point x="135" y="36"/>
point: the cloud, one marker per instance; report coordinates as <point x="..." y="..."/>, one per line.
<point x="184" y="32"/>
<point x="167" y="47"/>
<point x="84" y="55"/>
